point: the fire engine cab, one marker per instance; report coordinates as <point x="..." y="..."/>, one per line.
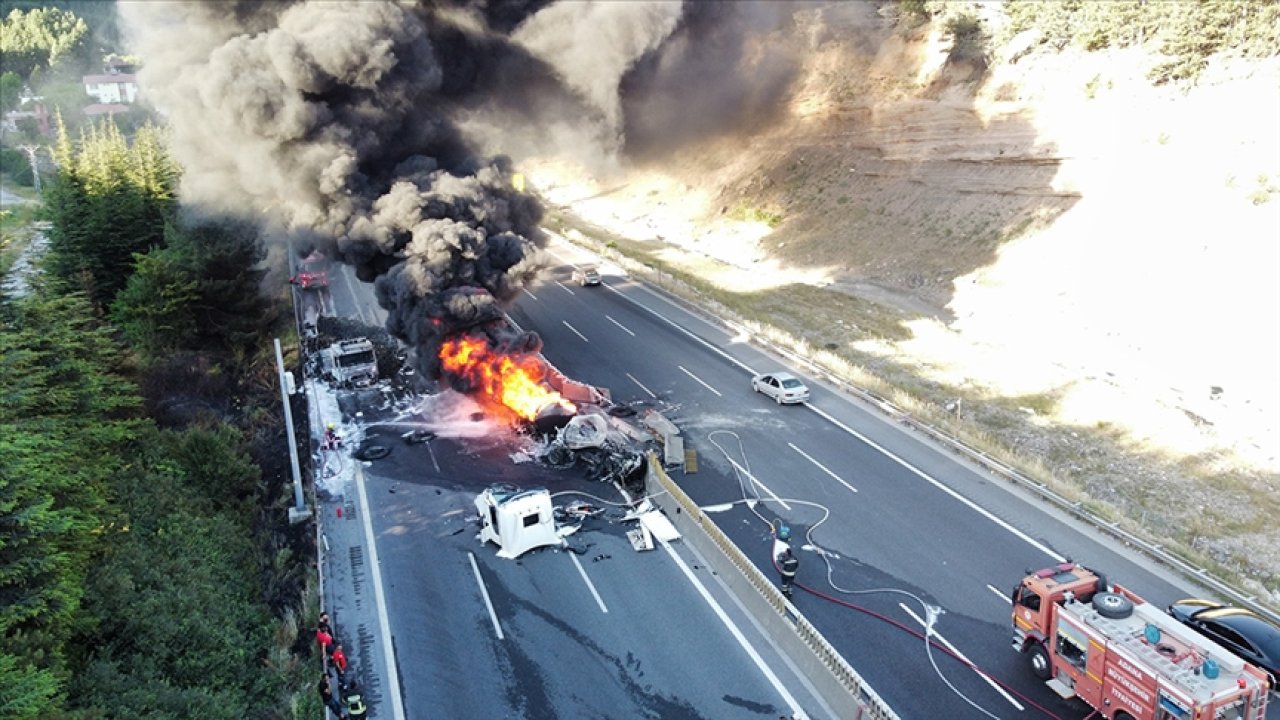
<point x="1125" y="657"/>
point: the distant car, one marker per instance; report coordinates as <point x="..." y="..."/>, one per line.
<point x="1241" y="631"/>
<point x="782" y="387"/>
<point x="311" y="275"/>
<point x="586" y="275"/>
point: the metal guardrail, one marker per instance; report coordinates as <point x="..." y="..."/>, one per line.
<point x="1074" y="508"/>
<point x="1153" y="550"/>
<point x="1077" y="510"/>
<point x="863" y="700"/>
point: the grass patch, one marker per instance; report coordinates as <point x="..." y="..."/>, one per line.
<point x="755" y="214"/>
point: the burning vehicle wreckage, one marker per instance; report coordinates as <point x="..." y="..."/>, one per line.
<point x="569" y="424"/>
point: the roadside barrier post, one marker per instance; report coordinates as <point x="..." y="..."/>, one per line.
<point x="299" y="511"/>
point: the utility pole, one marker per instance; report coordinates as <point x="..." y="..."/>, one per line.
<point x="299" y="511"/>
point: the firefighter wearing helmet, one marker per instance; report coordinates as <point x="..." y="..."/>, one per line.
<point x="786" y="561"/>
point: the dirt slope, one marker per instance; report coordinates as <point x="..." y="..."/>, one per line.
<point x="1061" y="234"/>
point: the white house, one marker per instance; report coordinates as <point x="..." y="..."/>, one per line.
<point x="111" y="89"/>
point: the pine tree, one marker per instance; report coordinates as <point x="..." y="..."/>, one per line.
<point x="67" y="414"/>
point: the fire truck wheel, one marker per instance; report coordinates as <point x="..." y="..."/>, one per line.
<point x="1039" y="660"/>
<point x="1112" y="605"/>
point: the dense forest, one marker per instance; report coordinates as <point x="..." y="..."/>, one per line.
<point x="147" y="568"/>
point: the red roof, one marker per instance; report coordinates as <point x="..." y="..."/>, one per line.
<point x="108" y="109"/>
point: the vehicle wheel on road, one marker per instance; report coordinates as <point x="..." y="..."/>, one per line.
<point x="1112" y="605"/>
<point x="777" y="399"/>
<point x="1122" y="716"/>
<point x="372" y="452"/>
<point x="1039" y="660"/>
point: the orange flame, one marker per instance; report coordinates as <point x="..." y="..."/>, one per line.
<point x="515" y="381"/>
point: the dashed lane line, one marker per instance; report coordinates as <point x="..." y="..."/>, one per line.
<point x="822" y="467"/>
<point x="484" y="592"/>
<point x="756" y="480"/>
<point x="625" y="329"/>
<point x="642" y="387"/>
<point x="575" y="331"/>
<point x="971" y="504"/>
<point x="590" y="585"/>
<point x="687" y="333"/>
<point x="1007" y="600"/>
<point x="434" y="462"/>
<point x="699" y="381"/>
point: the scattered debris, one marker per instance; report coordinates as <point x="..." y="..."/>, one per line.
<point x="371" y="452"/>
<point x="584" y="431"/>
<point x="516" y="521"/>
<point x="417" y="437"/>
<point x="640" y="539"/>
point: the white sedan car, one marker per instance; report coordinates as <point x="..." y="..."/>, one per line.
<point x="782" y="387"/>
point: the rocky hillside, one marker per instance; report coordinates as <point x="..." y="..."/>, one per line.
<point x="1055" y="231"/>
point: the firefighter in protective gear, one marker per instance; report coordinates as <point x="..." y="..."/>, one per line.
<point x="331" y="439"/>
<point x="355" y="703"/>
<point x="788" y="563"/>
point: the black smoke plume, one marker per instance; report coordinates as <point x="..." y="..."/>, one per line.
<point x="338" y="122"/>
<point x="333" y="120"/>
<point x="726" y="68"/>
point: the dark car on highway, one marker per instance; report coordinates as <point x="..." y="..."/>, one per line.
<point x="1241" y="631"/>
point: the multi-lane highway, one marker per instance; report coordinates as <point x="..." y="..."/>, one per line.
<point x="894" y="534"/>
<point x="599" y="632"/>
<point x="910" y="531"/>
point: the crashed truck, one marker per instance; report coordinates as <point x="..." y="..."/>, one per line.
<point x="352" y="363"/>
<point x="1124" y="657"/>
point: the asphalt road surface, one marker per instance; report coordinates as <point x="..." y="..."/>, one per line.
<point x="892" y="533"/>
<point x="910" y="529"/>
<point x="599" y="632"/>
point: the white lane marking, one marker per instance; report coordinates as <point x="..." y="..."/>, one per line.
<point x="677" y="326"/>
<point x="982" y="511"/>
<point x="575" y="331"/>
<point x="526" y="292"/>
<point x="432" y="453"/>
<point x="591" y="586"/>
<point x="1007" y="600"/>
<point x="565" y="288"/>
<point x="822" y="467"/>
<point x="974" y="506"/>
<point x="484" y="591"/>
<point x="375" y="565"/>
<point x="753" y="479"/>
<point x="699" y="381"/>
<point x="746" y="645"/>
<point x="355" y="301"/>
<point x="963" y="659"/>
<point x="642" y="387"/>
<point x="625" y="329"/>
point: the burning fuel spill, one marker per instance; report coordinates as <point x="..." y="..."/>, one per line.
<point x="515" y="380"/>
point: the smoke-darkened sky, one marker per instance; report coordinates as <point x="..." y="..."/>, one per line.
<point x="339" y="122"/>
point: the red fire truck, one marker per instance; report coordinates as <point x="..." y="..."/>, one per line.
<point x="1124" y="657"/>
